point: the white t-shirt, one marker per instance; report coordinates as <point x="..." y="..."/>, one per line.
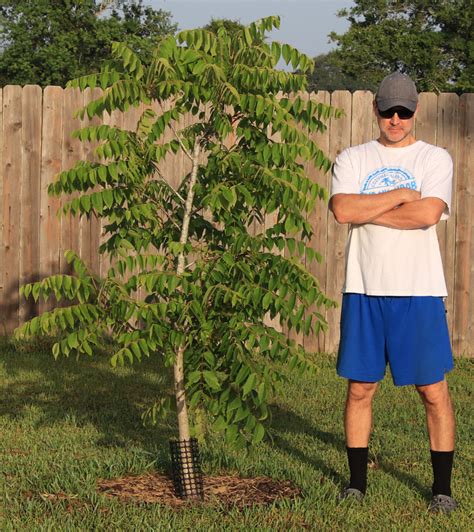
<point x="385" y="261"/>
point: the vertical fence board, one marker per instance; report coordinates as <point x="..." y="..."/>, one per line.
<point x="470" y="319"/>
<point x="90" y="226"/>
<point x="463" y="307"/>
<point x="293" y="334"/>
<point x="138" y="293"/>
<point x="447" y="137"/>
<point x="72" y="153"/>
<point x="361" y="122"/>
<point x="106" y="261"/>
<point x="130" y="122"/>
<point x="12" y="157"/>
<point x="339" y="139"/>
<point x="318" y="220"/>
<point x="166" y="165"/>
<point x="270" y="220"/>
<point x="3" y="329"/>
<point x="51" y="159"/>
<point x="426" y="117"/>
<point x="30" y="194"/>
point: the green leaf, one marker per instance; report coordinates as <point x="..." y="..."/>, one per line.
<point x="193" y="377"/>
<point x="97" y="202"/>
<point x="219" y="424"/>
<point x="258" y="434"/>
<point x="267" y="299"/>
<point x="248" y="37"/>
<point x="108" y="197"/>
<point x="286" y="52"/>
<point x="242" y="374"/>
<point x="210" y="358"/>
<point x="136" y="350"/>
<point x="87" y="348"/>
<point x="211" y="380"/>
<point x="249" y="384"/>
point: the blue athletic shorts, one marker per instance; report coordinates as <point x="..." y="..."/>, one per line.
<point x="410" y="333"/>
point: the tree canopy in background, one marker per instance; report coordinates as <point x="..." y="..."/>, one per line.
<point x="430" y="40"/>
<point x="328" y="76"/>
<point x="48" y="42"/>
<point x="231" y="26"/>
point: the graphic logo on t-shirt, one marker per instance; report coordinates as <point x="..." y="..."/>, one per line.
<point x="386" y="179"/>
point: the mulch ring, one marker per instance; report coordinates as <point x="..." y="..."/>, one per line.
<point x="224" y="490"/>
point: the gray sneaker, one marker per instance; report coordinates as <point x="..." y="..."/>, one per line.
<point x="442" y="503"/>
<point x="350" y="494"/>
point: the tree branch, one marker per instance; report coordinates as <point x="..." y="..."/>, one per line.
<point x="181" y="143"/>
<point x="183" y="201"/>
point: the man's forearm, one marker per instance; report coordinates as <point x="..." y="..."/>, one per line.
<point x="413" y="215"/>
<point x="364" y="208"/>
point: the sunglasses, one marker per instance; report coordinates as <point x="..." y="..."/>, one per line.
<point x="402" y="112"/>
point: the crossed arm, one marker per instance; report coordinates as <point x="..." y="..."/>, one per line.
<point x="398" y="209"/>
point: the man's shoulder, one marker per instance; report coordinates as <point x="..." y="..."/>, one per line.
<point x="359" y="149"/>
<point x="432" y="151"/>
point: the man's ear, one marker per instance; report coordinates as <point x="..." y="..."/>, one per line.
<point x="416" y="110"/>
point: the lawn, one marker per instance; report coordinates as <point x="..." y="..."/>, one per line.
<point x="66" y="424"/>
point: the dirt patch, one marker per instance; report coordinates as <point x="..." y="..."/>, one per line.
<point x="224" y="490"/>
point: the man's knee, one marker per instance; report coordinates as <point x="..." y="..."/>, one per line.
<point x="361" y="392"/>
<point x="434" y="395"/>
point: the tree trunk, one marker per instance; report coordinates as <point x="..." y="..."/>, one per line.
<point x="180" y="393"/>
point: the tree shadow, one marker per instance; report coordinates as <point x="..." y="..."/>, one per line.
<point x="287" y="421"/>
<point x="90" y="392"/>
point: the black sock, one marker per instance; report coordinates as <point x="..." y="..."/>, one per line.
<point x="358" y="458"/>
<point x="442" y="462"/>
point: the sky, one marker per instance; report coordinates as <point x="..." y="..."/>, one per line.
<point x="305" y="24"/>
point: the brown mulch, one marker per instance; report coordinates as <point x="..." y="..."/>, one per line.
<point x="227" y="490"/>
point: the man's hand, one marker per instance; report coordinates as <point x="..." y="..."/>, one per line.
<point x="410" y="195"/>
<point x="364" y="208"/>
<point x="413" y="215"/>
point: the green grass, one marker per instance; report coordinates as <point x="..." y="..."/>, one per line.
<point x="66" y="424"/>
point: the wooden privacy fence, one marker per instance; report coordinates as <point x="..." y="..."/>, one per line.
<point x="35" y="144"/>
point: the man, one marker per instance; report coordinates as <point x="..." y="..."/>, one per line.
<point x="393" y="191"/>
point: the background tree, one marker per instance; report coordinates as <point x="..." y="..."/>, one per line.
<point x="48" y="42"/>
<point x="430" y="40"/>
<point x="209" y="281"/>
<point x="230" y="25"/>
<point x="328" y="76"/>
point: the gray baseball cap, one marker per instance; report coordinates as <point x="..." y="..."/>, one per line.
<point x="396" y="89"/>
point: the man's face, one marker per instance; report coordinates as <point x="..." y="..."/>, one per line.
<point x="396" y="129"/>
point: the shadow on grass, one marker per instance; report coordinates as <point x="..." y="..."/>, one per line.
<point x="286" y="421"/>
<point x="112" y="401"/>
<point x="90" y="392"/>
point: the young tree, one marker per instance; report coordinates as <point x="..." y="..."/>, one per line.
<point x="49" y="42"/>
<point x="209" y="280"/>
<point x="431" y="40"/>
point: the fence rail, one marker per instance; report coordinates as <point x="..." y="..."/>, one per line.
<point x="36" y="144"/>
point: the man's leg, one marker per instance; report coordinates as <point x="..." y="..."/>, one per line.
<point x="439" y="415"/>
<point x="358" y="413"/>
<point x="357" y="426"/>
<point x="441" y="429"/>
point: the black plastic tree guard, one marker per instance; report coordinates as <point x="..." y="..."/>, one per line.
<point x="186" y="469"/>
